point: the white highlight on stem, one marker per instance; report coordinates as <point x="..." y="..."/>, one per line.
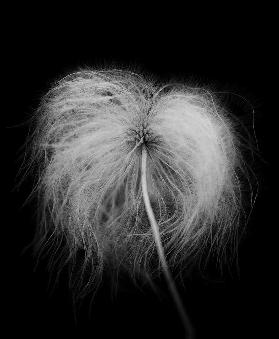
<point x="156" y="233"/>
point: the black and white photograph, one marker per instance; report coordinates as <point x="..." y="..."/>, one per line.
<point x="139" y="195"/>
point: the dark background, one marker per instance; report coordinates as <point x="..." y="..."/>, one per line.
<point x="236" y="54"/>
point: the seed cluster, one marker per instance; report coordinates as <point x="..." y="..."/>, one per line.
<point x="143" y="132"/>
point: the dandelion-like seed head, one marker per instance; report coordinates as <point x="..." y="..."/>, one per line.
<point x="90" y="132"/>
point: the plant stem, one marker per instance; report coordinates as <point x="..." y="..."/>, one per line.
<point x="155" y="229"/>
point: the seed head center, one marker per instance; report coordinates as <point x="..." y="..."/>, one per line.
<point x="143" y="133"/>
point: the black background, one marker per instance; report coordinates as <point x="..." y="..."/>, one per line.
<point x="233" y="54"/>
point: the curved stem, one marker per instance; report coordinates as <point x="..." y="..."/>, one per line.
<point x="156" y="233"/>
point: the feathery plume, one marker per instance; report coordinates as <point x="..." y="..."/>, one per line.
<point x="132" y="175"/>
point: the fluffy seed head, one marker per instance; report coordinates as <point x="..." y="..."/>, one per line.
<point x="86" y="147"/>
